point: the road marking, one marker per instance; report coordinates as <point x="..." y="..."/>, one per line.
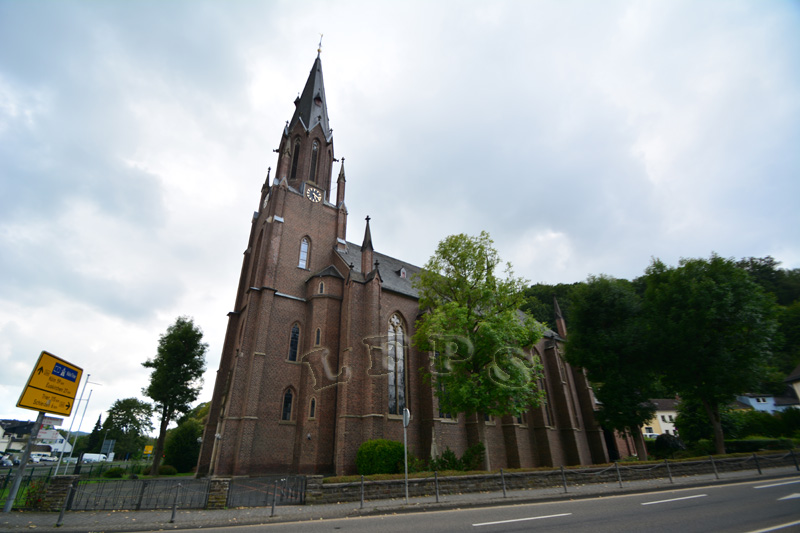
<point x="790" y="497"/>
<point x="777" y="484"/>
<point x="775" y="528"/>
<point x="521" y="519"/>
<point x="677" y="499"/>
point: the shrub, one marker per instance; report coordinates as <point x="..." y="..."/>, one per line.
<point x="163" y="470"/>
<point x="379" y="456"/>
<point x="666" y="446"/>
<point x="115" y="472"/>
<point x="473" y="457"/>
<point x="447" y="461"/>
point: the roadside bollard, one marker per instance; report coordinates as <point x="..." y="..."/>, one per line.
<point x="503" y="481"/>
<point x="564" y="479"/>
<point x="669" y="472"/>
<point x="619" y="474"/>
<point x="714" y="466"/>
<point x="436" y="482"/>
<point x="175" y="504"/>
<point x="362" y="492"/>
<point x="758" y="466"/>
<point x="64" y="507"/>
<point x="274" y="498"/>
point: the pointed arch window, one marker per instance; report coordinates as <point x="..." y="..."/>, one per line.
<point x="397" y="365"/>
<point x="294" y="342"/>
<point x="295" y="157"/>
<point x="305" y="248"/>
<point x="312" y="409"/>
<point x="288" y="400"/>
<point x="312" y="170"/>
<point x="318" y="337"/>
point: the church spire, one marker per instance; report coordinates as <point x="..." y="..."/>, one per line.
<point x="311" y="108"/>
<point x="366" y="251"/>
<point x="561" y="324"/>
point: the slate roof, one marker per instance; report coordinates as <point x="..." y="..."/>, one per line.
<point x="665" y="404"/>
<point x="389" y="269"/>
<point x="311" y="108"/>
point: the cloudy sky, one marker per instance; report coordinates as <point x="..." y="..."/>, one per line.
<point x="586" y="137"/>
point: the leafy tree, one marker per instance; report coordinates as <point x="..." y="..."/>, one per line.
<point x="128" y="423"/>
<point x="692" y="423"/>
<point x="606" y="338"/>
<point x="182" y="447"/>
<point x="710" y="327"/>
<point x="473" y="326"/>
<point x="176" y="377"/>
<point x="539" y="300"/>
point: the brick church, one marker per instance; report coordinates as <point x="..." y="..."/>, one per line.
<point x="317" y="356"/>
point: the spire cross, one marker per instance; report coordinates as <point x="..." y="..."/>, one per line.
<point x="367" y="219"/>
<point x="319" y="48"/>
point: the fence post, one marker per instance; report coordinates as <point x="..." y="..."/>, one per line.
<point x="274" y="497"/>
<point x="619" y="474"/>
<point x="758" y="466"/>
<point x="564" y="479"/>
<point x="714" y="466"/>
<point x="436" y="482"/>
<point x="141" y="495"/>
<point x="794" y="458"/>
<point x="503" y="481"/>
<point x="669" y="472"/>
<point x="64" y="506"/>
<point x="362" y="492"/>
<point x="175" y="504"/>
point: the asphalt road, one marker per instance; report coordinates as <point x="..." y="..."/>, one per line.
<point x="747" y="507"/>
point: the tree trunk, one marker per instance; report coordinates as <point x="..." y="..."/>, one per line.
<point x="638" y="441"/>
<point x="716" y="424"/>
<point x="158" y="450"/>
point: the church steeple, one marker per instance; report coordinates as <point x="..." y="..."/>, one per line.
<point x="306" y="149"/>
<point x="311" y="107"/>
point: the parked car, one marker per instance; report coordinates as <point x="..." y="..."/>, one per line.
<point x="49" y="458"/>
<point x="650" y="435"/>
<point x="6" y="462"/>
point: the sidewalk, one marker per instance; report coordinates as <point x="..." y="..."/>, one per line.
<point x="191" y="519"/>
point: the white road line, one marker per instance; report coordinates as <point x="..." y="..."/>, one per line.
<point x="676" y="499"/>
<point x="521" y="519"/>
<point x="777" y="484"/>
<point x="775" y="528"/>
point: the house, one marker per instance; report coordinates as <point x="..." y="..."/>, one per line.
<point x="663" y="422"/>
<point x="317" y="356"/>
<point x="769" y="403"/>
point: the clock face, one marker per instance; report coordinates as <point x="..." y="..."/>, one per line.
<point x="315" y="195"/>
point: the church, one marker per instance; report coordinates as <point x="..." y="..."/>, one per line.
<point x="317" y="357"/>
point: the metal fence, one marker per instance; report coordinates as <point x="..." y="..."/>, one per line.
<point x="137" y="494"/>
<point x="263" y="491"/>
<point x="30" y="494"/>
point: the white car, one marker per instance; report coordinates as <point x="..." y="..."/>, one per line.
<point x="650" y="435"/>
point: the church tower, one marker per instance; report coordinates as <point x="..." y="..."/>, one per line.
<point x="266" y="415"/>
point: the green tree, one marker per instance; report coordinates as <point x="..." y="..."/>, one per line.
<point x="95" y="439"/>
<point x="539" y="300"/>
<point x="710" y="328"/>
<point x="128" y="423"/>
<point x="176" y="377"/>
<point x="473" y="326"/>
<point x="182" y="447"/>
<point x="606" y="338"/>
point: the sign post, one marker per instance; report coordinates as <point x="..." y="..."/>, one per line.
<point x="406" y="420"/>
<point x="50" y="389"/>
